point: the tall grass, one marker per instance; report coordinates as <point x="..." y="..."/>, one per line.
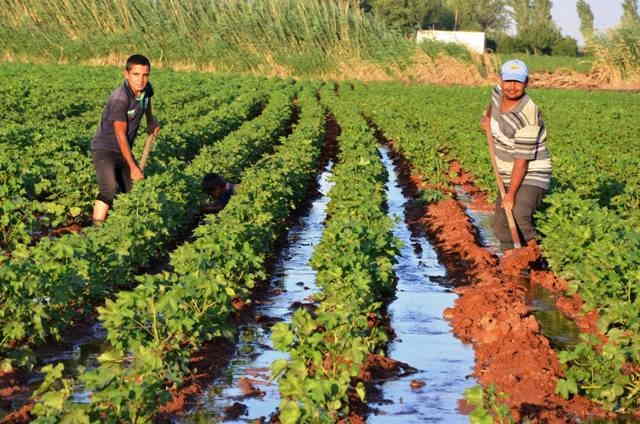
<point x="227" y="35"/>
<point x="313" y="38"/>
<point x="618" y="53"/>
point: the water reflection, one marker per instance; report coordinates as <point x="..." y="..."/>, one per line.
<point x="424" y="339"/>
<point x="292" y="283"/>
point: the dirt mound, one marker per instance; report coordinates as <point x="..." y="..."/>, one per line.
<point x="492" y="314"/>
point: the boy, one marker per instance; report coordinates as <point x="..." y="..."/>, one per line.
<point x="111" y="146"/>
<point x="523" y="161"/>
<point x="220" y="190"/>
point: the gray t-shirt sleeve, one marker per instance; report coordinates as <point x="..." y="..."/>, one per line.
<point x="117" y="110"/>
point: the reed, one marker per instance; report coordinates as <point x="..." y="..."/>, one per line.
<point x="617" y="54"/>
<point x="228" y="35"/>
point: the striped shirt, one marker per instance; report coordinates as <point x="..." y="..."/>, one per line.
<point x="520" y="134"/>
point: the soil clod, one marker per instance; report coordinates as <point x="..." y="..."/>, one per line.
<point x="417" y="384"/>
<point x="235" y="411"/>
<point x="249" y="389"/>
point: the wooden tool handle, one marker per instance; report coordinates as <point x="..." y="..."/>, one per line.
<point x="148" y="146"/>
<point x="512" y="223"/>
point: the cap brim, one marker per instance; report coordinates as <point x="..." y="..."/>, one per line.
<point x="514" y="77"/>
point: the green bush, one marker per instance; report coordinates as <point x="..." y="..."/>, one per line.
<point x="567" y="46"/>
<point x="435" y="48"/>
<point x="506" y="44"/>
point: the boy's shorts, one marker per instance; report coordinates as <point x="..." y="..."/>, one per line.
<point x="112" y="173"/>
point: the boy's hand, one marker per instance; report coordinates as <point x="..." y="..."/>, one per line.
<point x="153" y="126"/>
<point x="136" y="174"/>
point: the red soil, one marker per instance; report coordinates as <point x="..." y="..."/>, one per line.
<point x="247" y="385"/>
<point x="521" y="259"/>
<point x="492" y="313"/>
<point x="12" y="384"/>
<point x="22" y="415"/>
<point x="234" y="411"/>
<point x="480" y="200"/>
<point x="208" y="362"/>
<point x="417" y="384"/>
<point x="378" y="367"/>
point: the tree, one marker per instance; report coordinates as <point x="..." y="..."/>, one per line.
<point x="536" y="30"/>
<point x="630" y="16"/>
<point x="479" y="15"/>
<point x="566" y="46"/>
<point x="521" y="14"/>
<point x="586" y="19"/>
<point x="408" y="15"/>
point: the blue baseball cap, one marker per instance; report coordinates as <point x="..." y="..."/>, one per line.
<point x="515" y="70"/>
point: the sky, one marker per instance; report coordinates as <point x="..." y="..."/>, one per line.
<point x="607" y="14"/>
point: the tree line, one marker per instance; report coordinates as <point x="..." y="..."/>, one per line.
<point x="511" y="25"/>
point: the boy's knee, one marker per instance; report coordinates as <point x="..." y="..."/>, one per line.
<point x="108" y="190"/>
<point x="107" y="197"/>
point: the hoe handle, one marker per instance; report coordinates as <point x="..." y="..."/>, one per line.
<point x="512" y="223"/>
<point x="148" y="147"/>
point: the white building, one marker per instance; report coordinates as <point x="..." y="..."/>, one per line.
<point x="474" y="41"/>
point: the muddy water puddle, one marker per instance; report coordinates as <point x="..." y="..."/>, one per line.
<point x="561" y="331"/>
<point x="245" y="393"/>
<point x="482" y="221"/>
<point x="76" y="351"/>
<point x="423" y="338"/>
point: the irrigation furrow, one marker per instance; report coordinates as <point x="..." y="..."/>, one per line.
<point x="513" y="358"/>
<point x="423" y="339"/>
<point x="561" y="331"/>
<point x="245" y="391"/>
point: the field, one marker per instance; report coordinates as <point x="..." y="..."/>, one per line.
<point x="350" y="278"/>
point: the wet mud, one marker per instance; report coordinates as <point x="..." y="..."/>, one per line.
<point x="209" y="361"/>
<point x="80" y="347"/>
<point x="494" y="314"/>
<point x="14" y="408"/>
<point x="547" y="294"/>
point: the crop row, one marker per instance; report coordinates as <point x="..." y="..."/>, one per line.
<point x="60" y="280"/>
<point x="155" y="328"/>
<point x="52" y="180"/>
<point x="590" y="220"/>
<point x="40" y="96"/>
<point x="411" y="132"/>
<point x="354" y="261"/>
<point x="49" y="94"/>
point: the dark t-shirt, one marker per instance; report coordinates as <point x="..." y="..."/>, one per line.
<point x="122" y="105"/>
<point x="219" y="204"/>
<point x="226" y="196"/>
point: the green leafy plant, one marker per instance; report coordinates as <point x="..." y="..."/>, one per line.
<point x="489" y="406"/>
<point x="155" y="328"/>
